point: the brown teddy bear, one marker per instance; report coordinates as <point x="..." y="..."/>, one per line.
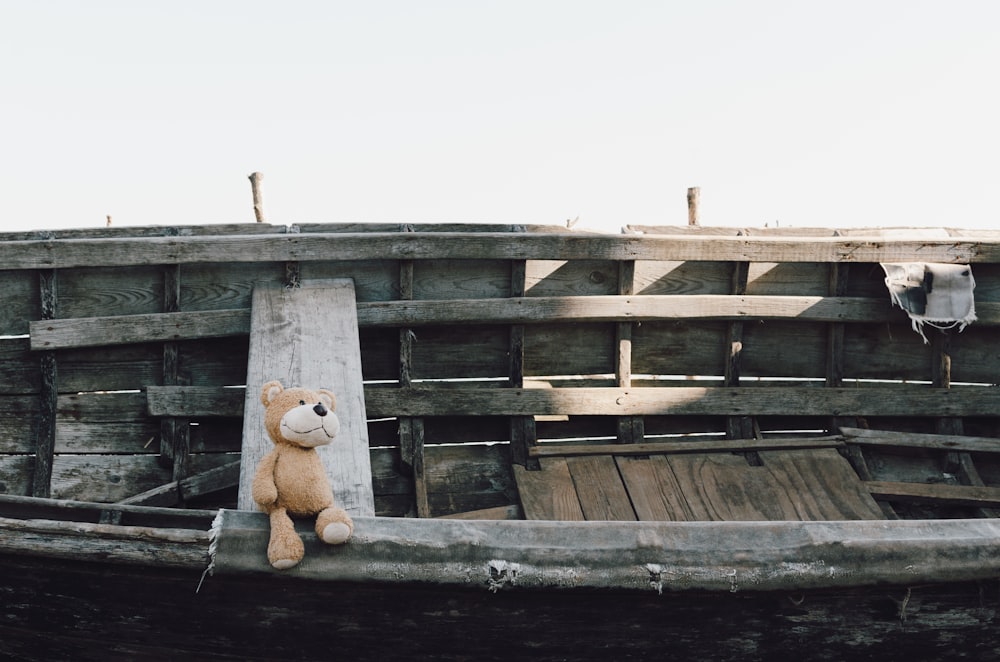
<point x="291" y="480"/>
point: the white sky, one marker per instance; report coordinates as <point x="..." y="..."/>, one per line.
<point x="803" y="112"/>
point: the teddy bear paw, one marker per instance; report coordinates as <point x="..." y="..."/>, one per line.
<point x="336" y="533"/>
<point x="284" y="564"/>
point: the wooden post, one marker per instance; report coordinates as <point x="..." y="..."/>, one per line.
<point x="694" y="194"/>
<point x="49" y="395"/>
<point x="258" y="198"/>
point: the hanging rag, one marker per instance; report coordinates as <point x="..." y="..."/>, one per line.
<point x="937" y="294"/>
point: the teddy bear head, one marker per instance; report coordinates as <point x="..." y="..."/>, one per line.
<point x="299" y="416"/>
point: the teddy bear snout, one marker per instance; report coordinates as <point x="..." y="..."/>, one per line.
<point x="320" y="409"/>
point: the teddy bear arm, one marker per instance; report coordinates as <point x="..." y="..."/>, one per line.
<point x="263" y="489"/>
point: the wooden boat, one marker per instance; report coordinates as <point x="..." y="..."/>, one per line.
<point x="682" y="443"/>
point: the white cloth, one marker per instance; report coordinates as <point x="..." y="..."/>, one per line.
<point x="937" y="294"/>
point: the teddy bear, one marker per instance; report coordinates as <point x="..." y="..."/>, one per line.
<point x="291" y="480"/>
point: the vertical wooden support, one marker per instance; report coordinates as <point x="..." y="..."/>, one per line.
<point x="308" y="336"/>
<point x="694" y="196"/>
<point x="631" y="429"/>
<point x="175" y="437"/>
<point x="523" y="434"/>
<point x="411" y="429"/>
<point x="256" y="180"/>
<point x="48" y="397"/>
<point x="737" y="427"/>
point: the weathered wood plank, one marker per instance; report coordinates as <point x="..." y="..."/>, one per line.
<point x="600" y="489"/>
<point x="965" y="495"/>
<point x="308" y="336"/>
<point x="130" y="329"/>
<point x="762" y="401"/>
<point x="823" y="484"/>
<point x="921" y="440"/>
<point x="673" y="447"/>
<point x="111" y="478"/>
<point x="548" y="493"/>
<point x="653" y="488"/>
<point x="178" y="491"/>
<point x="497" y="513"/>
<point x="195" y="401"/>
<point x="63" y="253"/>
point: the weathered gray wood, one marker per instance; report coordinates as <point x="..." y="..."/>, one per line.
<point x="111" y="478"/>
<point x="178" y="491"/>
<point x="921" y="440"/>
<point x="41" y="254"/>
<point x="655" y="493"/>
<point x="195" y="401"/>
<point x="763" y="401"/>
<point x="548" y="492"/>
<point x="308" y="336"/>
<point x="46" y="432"/>
<point x="673" y="447"/>
<point x="599" y="488"/>
<point x="498" y="513"/>
<point x="965" y="495"/>
<point x="130" y="329"/>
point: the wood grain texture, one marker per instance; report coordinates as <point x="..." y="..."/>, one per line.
<point x="548" y="493"/>
<point x="64" y="253"/>
<point x="308" y="336"/>
<point x="600" y="489"/>
<point x="921" y="440"/>
<point x="654" y="490"/>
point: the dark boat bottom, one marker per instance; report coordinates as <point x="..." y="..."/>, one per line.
<point x="56" y="610"/>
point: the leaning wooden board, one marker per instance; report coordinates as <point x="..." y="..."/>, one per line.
<point x="308" y="336"/>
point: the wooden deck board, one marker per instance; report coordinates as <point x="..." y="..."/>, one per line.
<point x="599" y="486"/>
<point x="548" y="494"/>
<point x="816" y="484"/>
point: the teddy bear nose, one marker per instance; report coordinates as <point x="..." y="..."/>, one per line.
<point x="320" y="409"/>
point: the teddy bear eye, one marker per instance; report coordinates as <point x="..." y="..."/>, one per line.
<point x="302" y="402"/>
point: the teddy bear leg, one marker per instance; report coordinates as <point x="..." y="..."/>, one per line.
<point x="334" y="525"/>
<point x="285" y="548"/>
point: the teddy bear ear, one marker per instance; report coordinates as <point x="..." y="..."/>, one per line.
<point x="329" y="397"/>
<point x="270" y="391"/>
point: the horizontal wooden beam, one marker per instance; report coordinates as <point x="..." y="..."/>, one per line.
<point x="962" y="495"/>
<point x="675" y="447"/>
<point x="921" y="440"/>
<point x="63" y="253"/>
<point x="164" y="327"/>
<point x="130" y="329"/>
<point x="387" y="402"/>
<point x="651" y="401"/>
<point x="169" y="494"/>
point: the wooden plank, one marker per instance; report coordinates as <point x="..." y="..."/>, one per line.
<point x="760" y="401"/>
<point x="130" y="329"/>
<point x="48" y="398"/>
<point x="179" y="491"/>
<point x="498" y="513"/>
<point x="725" y="488"/>
<point x="195" y="401"/>
<point x="921" y="440"/>
<point x="600" y="489"/>
<point x="674" y="447"/>
<point x="548" y="493"/>
<point x="654" y="490"/>
<point x="63" y="253"/>
<point x="308" y="336"/>
<point x="158" y="327"/>
<point x="823" y="484"/>
<point x="963" y="495"/>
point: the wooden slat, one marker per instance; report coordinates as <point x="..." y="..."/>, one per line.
<point x="548" y="493"/>
<point x="48" y="397"/>
<point x="129" y="329"/>
<point x="195" y="401"/>
<point x="308" y="336"/>
<point x="760" y="401"/>
<point x="823" y="483"/>
<point x="674" y="447"/>
<point x="42" y="254"/>
<point x="921" y="440"/>
<point x="963" y="495"/>
<point x="179" y="491"/>
<point x="498" y="513"/>
<point x="599" y="486"/>
<point x="654" y="490"/>
<point x="159" y="327"/>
